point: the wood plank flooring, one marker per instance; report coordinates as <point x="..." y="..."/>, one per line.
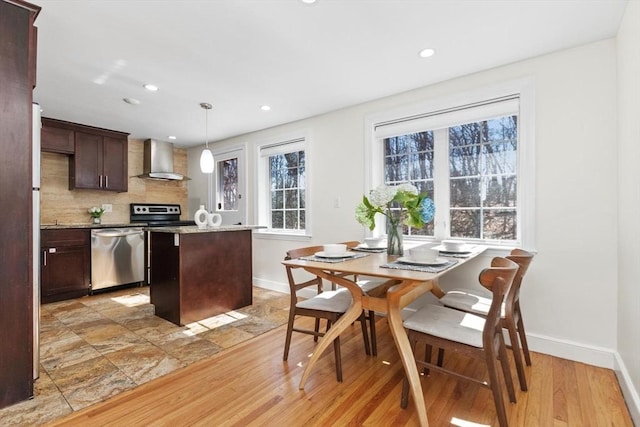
<point x="250" y="385"/>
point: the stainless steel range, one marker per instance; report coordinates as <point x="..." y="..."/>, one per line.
<point x="157" y="215"/>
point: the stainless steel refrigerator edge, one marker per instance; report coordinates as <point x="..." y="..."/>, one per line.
<point x="35" y="191"/>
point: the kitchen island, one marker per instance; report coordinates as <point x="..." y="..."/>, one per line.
<point x="199" y="273"/>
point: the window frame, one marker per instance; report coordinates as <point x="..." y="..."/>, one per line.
<point x="524" y="90"/>
<point x="298" y="141"/>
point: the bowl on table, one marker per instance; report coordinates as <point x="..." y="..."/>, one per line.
<point x="334" y="249"/>
<point x="423" y="253"/>
<point x="374" y="242"/>
<point x="453" y="245"/>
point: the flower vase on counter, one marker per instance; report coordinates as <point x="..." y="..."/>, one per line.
<point x="96" y="214"/>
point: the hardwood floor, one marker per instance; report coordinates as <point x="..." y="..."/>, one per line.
<point x="250" y="385"/>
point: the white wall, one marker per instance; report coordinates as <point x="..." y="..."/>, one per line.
<point x="628" y="42"/>
<point x="570" y="294"/>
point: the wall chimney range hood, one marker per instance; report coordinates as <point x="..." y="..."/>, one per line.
<point x="158" y="161"/>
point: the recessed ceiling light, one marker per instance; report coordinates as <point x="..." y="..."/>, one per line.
<point x="151" y="88"/>
<point x="131" y="101"/>
<point x="265" y="108"/>
<point x="171" y="137"/>
<point x="308" y="1"/>
<point x="426" y="53"/>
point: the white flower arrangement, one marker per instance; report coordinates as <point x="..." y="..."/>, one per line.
<point x="96" y="212"/>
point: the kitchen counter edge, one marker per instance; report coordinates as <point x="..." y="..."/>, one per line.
<point x="66" y="226"/>
<point x="192" y="229"/>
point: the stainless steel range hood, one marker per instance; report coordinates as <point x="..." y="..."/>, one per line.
<point x="158" y="161"/>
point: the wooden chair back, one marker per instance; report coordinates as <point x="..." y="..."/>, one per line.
<point x="498" y="279"/>
<point x="523" y="259"/>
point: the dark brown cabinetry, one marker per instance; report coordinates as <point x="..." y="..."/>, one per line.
<point x="56" y="137"/>
<point x="66" y="264"/>
<point x="100" y="162"/>
<point x="17" y="77"/>
<point x="99" y="156"/>
<point x="193" y="275"/>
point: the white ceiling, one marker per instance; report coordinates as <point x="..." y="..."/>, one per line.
<point x="301" y="59"/>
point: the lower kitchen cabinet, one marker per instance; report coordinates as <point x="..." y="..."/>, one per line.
<point x="66" y="264"/>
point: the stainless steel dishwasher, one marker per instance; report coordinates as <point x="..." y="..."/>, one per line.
<point x="117" y="257"/>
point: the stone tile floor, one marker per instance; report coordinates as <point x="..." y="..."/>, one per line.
<point x="95" y="347"/>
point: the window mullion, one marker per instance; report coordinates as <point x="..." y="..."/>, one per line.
<point x="441" y="183"/>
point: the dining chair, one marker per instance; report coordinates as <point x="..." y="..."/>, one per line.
<point x="478" y="302"/>
<point x="326" y="304"/>
<point x="468" y="334"/>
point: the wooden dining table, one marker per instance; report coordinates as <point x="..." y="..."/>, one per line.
<point x="402" y="287"/>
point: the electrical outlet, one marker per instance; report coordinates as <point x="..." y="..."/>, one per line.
<point x="107" y="208"/>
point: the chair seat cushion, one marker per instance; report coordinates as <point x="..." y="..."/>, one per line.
<point x="334" y="301"/>
<point x="447" y="323"/>
<point x="367" y="284"/>
<point x="466" y="300"/>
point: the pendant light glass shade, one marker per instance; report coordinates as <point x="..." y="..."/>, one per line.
<point x="206" y="158"/>
<point x="206" y="161"/>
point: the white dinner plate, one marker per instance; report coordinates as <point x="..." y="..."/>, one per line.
<point x="462" y="250"/>
<point x="437" y="261"/>
<point x="323" y="254"/>
<point x="365" y="246"/>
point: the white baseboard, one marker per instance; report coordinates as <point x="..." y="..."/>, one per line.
<point x="629" y="392"/>
<point x="565" y="349"/>
<point x="578" y="352"/>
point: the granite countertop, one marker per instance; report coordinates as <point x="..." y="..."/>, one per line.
<point x="192" y="229"/>
<point x="89" y="225"/>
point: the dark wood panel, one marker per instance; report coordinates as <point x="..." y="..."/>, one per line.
<point x="205" y="275"/>
<point x="65" y="273"/>
<point x="164" y="291"/>
<point x="67" y="237"/>
<point x="56" y="139"/>
<point x="114" y="159"/>
<point x="215" y="273"/>
<point x="16" y="285"/>
<point x="86" y="167"/>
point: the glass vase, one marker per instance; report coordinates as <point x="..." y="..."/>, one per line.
<point x="394" y="235"/>
<point x="96" y="220"/>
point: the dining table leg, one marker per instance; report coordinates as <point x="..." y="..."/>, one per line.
<point x="395" y="304"/>
<point x="350" y="316"/>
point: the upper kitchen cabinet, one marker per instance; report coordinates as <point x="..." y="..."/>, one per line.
<point x="99" y="156"/>
<point x="99" y="162"/>
<point x="57" y="137"/>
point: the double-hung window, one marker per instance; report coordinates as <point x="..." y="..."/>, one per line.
<point x="468" y="159"/>
<point x="282" y="182"/>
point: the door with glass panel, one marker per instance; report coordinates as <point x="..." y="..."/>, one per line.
<point x="227" y="187"/>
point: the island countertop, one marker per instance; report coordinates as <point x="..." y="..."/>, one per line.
<point x="193" y="229"/>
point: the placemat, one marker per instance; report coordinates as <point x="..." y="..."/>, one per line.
<point x="450" y="254"/>
<point x="425" y="268"/>
<point x="332" y="260"/>
<point x="370" y="250"/>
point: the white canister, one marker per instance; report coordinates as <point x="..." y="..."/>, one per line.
<point x="202" y="217"/>
<point x="214" y="220"/>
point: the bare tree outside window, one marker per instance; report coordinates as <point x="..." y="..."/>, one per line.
<point x="287" y="175"/>
<point x="409" y="158"/>
<point x="482" y="159"/>
<point x="228" y="181"/>
<point x="483" y="180"/>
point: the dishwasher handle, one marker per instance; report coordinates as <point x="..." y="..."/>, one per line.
<point x="117" y="233"/>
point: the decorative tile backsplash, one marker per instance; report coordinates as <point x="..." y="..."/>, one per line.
<point x="59" y="205"/>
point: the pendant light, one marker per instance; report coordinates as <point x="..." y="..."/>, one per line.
<point x="206" y="158"/>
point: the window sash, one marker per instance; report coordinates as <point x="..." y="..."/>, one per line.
<point x="439" y="122"/>
<point x="266" y="210"/>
